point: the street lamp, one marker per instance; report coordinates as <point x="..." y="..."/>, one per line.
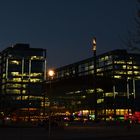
<point x="51" y="74"/>
<point x="95" y="76"/>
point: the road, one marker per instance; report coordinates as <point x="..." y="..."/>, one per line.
<point x="72" y="133"/>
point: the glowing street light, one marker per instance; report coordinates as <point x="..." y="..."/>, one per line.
<point x="94" y="44"/>
<point x="51" y="73"/>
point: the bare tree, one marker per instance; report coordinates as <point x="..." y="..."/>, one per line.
<point x="132" y="42"/>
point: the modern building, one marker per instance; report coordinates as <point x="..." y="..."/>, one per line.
<point x="117" y="85"/>
<point x="22" y="76"/>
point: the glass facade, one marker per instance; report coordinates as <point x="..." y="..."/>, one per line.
<point x="117" y="91"/>
<point x="22" y="74"/>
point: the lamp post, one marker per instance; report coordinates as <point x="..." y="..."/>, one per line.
<point x="134" y="93"/>
<point x="50" y="75"/>
<point x="95" y="76"/>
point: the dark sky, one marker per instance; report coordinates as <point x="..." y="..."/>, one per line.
<point x="66" y="27"/>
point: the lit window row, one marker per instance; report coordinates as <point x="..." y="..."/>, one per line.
<point x="110" y="94"/>
<point x="100" y="101"/>
<point x="35" y="80"/>
<point x="105" y="58"/>
<point x="13" y="91"/>
<point x="37" y="57"/>
<point x="16" y="85"/>
<point x="117" y="76"/>
<point x="130" y="67"/>
<point x="29" y="97"/>
<point x="120" y="62"/>
<point x="26" y="74"/>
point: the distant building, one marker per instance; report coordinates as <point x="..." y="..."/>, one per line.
<point x="22" y="74"/>
<point x="117" y="81"/>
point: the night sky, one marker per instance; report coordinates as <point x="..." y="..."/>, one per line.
<point x="66" y="27"/>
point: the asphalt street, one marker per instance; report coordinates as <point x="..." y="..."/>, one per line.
<point x="72" y="133"/>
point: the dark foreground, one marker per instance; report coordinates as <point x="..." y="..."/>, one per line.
<point x="94" y="132"/>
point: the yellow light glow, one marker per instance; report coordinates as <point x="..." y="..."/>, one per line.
<point x="16" y="80"/>
<point x="124" y="66"/>
<point x="117" y="76"/>
<point x="100" y="101"/>
<point x="15" y="73"/>
<point x="129" y="72"/>
<point x="129" y="62"/>
<point x="36" y="57"/>
<point x="51" y="73"/>
<point x="35" y="74"/>
<point x="119" y="62"/>
<point x="109" y="94"/>
<point x="94" y="44"/>
<point x="15" y="62"/>
<point x="135" y="67"/>
<point x="136" y="72"/>
<point x="35" y="80"/>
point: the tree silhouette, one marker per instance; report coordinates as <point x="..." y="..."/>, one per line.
<point x="132" y="42"/>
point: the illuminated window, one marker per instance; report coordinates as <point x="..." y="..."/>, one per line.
<point x="16" y="79"/>
<point x="36" y="97"/>
<point x="90" y="91"/>
<point x="83" y="97"/>
<point x="35" y="80"/>
<point x="121" y="111"/>
<point x="100" y="101"/>
<point x="77" y="91"/>
<point x="129" y="72"/>
<point x="129" y="62"/>
<point x="23" y="91"/>
<point x="120" y="72"/>
<point x="24" y="97"/>
<point x="136" y="72"/>
<point x="26" y="80"/>
<point x="129" y="67"/>
<point x="135" y="67"/>
<point x="101" y="59"/>
<point x="13" y="91"/>
<point x="99" y="90"/>
<point x="117" y="76"/>
<point x="37" y="57"/>
<point x="137" y="77"/>
<point x="18" y="98"/>
<point x="24" y="85"/>
<point x="4" y="75"/>
<point x="109" y="111"/>
<point x="14" y="85"/>
<point x="35" y="74"/>
<point x="106" y="57"/>
<point x="15" y="73"/>
<point x="124" y="66"/>
<point x="119" y="62"/>
<point x="109" y="94"/>
<point x="14" y="62"/>
<point x="98" y="70"/>
<point x="91" y="67"/>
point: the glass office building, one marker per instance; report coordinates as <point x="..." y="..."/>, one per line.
<point x="22" y="74"/>
<point x="117" y="81"/>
